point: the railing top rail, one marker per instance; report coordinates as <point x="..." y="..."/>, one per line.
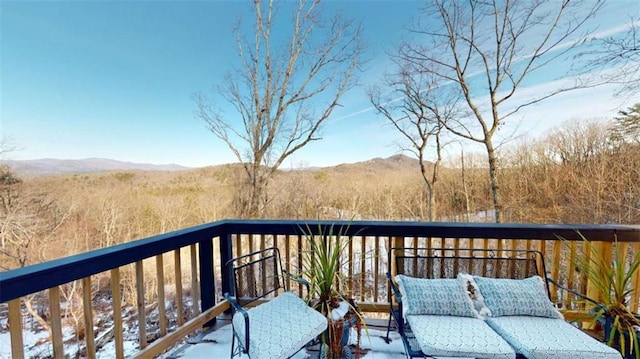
<point x="23" y="281"/>
<point x="623" y="233"/>
<point x="31" y="279"/>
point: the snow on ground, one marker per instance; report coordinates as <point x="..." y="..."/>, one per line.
<point x="37" y="346"/>
<point x="217" y="344"/>
<point x="30" y="340"/>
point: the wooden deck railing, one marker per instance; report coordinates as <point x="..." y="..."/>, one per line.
<point x="190" y="261"/>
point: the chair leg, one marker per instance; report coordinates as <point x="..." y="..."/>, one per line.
<point x="386" y="339"/>
<point x="233" y="342"/>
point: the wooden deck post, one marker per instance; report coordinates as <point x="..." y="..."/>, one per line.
<point x="207" y="285"/>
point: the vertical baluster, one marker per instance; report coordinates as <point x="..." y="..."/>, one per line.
<point x="263" y="265"/>
<point x="470" y="254"/>
<point x="555" y="272"/>
<point x="287" y="254"/>
<point x="586" y="249"/>
<point x="239" y="251"/>
<point x="162" y="312"/>
<point x="443" y="253"/>
<point x="499" y="254"/>
<point x="625" y="248"/>
<point x="635" y="282"/>
<point x="251" y="246"/>
<point x="529" y="244"/>
<point x="116" y="303"/>
<point x="177" y="263"/>
<point x="195" y="286"/>
<point x="350" y="266"/>
<point x="88" y="317"/>
<point x="376" y="267"/>
<point x="485" y="247"/>
<point x="414" y="263"/>
<point x="570" y="272"/>
<point x="398" y="242"/>
<point x="363" y="267"/>
<point x="605" y="251"/>
<point x="239" y="248"/>
<point x="56" y="322"/>
<point x="456" y="256"/>
<point x="300" y="259"/>
<point x="142" y="315"/>
<point x="15" y="329"/>
<point x="513" y="246"/>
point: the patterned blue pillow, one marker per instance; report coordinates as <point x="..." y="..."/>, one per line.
<point x="505" y="297"/>
<point x="435" y="297"/>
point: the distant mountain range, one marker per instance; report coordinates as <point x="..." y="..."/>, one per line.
<point x="52" y="166"/>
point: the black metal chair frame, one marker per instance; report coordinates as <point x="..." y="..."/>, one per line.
<point x="247" y="289"/>
<point x="434" y="263"/>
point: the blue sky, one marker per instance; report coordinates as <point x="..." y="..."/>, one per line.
<point x="114" y="79"/>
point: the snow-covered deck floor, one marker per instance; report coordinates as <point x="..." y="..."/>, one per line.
<point x="217" y="344"/>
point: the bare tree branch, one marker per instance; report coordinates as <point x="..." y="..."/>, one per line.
<point x="616" y="57"/>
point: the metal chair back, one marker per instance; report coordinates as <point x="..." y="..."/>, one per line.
<point x="256" y="275"/>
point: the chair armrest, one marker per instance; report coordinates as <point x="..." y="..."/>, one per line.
<point x="395" y="290"/>
<point x="244" y="313"/>
<point x="577" y="294"/>
<point x="297" y="279"/>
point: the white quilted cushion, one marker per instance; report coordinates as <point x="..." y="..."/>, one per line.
<point x="542" y="338"/>
<point x="280" y="327"/>
<point x="440" y="335"/>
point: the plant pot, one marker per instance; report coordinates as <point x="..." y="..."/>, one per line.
<point x="606" y="322"/>
<point x="336" y="350"/>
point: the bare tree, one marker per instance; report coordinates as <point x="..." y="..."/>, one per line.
<point x="284" y="90"/>
<point x="617" y="58"/>
<point x="486" y="50"/>
<point x="418" y="109"/>
<point x="28" y="220"/>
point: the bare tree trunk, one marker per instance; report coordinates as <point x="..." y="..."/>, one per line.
<point x="464" y="189"/>
<point x="493" y="178"/>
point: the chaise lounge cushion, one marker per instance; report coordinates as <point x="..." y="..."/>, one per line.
<point x="448" y="336"/>
<point x="280" y="327"/>
<point x="547" y="338"/>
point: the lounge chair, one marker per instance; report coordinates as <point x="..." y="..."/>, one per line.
<point x="509" y="292"/>
<point x="542" y="338"/>
<point x="524" y="316"/>
<point x="281" y="323"/>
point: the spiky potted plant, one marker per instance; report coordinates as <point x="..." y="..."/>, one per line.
<point x="322" y="267"/>
<point x="611" y="280"/>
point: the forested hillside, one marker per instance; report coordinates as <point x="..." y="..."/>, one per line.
<point x="576" y="174"/>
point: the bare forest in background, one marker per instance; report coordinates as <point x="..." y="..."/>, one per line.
<point x="578" y="173"/>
